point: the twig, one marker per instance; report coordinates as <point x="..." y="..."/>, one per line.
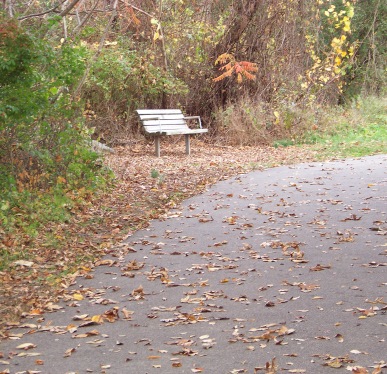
<point x="41" y="13"/>
<point x="75" y="31"/>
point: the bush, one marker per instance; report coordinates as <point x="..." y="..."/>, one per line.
<point x="44" y="150"/>
<point x="120" y="82"/>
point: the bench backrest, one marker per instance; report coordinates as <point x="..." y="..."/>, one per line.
<point x="155" y="120"/>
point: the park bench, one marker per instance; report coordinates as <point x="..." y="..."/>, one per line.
<point x="159" y="122"/>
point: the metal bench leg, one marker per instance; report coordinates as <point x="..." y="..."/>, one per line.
<point x="187" y="145"/>
<point x="157" y="146"/>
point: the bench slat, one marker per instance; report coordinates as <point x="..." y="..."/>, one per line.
<point x="156" y="130"/>
<point x="165" y="122"/>
<point x="158" y="111"/>
<point x="185" y="132"/>
<point x="169" y="117"/>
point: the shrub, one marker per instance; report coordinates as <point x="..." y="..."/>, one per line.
<point x="44" y="151"/>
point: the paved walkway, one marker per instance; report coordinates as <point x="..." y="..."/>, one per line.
<point x="287" y="263"/>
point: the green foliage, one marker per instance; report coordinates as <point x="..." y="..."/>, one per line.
<point x="283" y="143"/>
<point x="45" y="158"/>
<point x="122" y="81"/>
<point x="154" y="174"/>
<point x="157" y="176"/>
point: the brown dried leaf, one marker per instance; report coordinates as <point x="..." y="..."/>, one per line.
<point x="26" y="346"/>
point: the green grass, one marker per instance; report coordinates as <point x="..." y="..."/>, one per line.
<point x="283" y="143"/>
<point x="354" y="131"/>
<point x="356" y="142"/>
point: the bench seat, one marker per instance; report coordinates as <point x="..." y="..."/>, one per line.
<point x="159" y="122"/>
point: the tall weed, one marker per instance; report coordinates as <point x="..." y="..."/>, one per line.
<point x="250" y="122"/>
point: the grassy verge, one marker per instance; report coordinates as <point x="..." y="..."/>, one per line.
<point x="367" y="140"/>
<point x="353" y="131"/>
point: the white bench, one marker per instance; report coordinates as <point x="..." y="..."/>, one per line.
<point x="158" y="122"/>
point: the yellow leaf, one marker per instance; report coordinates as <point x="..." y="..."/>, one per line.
<point x="156" y="36"/>
<point x="78" y="296"/>
<point x="97" y="318"/>
<point x="335" y="364"/>
<point x="60" y="180"/>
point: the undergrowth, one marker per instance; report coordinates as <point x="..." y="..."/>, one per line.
<point x="47" y="167"/>
<point x="356" y="129"/>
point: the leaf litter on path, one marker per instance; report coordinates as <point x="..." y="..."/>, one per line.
<point x="205" y="303"/>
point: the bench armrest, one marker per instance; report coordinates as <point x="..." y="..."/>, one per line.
<point x="195" y="117"/>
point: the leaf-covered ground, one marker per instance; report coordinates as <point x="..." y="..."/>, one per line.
<point x="275" y="271"/>
<point x="145" y="188"/>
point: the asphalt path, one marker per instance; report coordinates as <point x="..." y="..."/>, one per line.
<point x="274" y="271"/>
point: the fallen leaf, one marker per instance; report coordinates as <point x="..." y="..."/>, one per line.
<point x="104" y="262"/>
<point x="377" y="370"/>
<point x="359" y="370"/>
<point x="23" y="263"/>
<point x="78" y="296"/>
<point x="271" y="367"/>
<point x="111" y="315"/>
<point x="319" y="267"/>
<point x="69" y="352"/>
<point x="26" y="346"/>
<point x="127" y="314"/>
<point x="340" y="338"/>
<point x="334" y="364"/>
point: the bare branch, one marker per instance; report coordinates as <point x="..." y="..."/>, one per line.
<point x="40" y="14"/>
<point x="138" y="9"/>
<point x="65" y="25"/>
<point x="8" y="4"/>
<point x="67" y="10"/>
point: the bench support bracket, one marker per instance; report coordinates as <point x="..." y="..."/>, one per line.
<point x="157" y="146"/>
<point x="187" y="145"/>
